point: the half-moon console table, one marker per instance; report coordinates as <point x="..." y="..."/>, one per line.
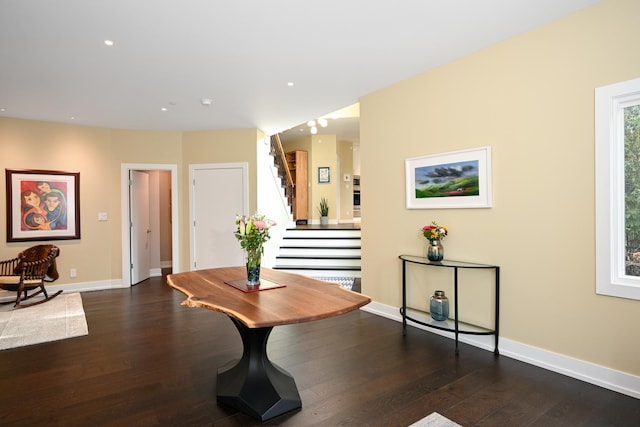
<point x="454" y="325"/>
<point x="254" y="385"/>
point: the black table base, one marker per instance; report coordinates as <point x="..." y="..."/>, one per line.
<point x="254" y="385"/>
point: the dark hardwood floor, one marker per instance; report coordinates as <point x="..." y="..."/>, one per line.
<point x="148" y="361"/>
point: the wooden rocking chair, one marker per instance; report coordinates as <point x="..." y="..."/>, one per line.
<point x="30" y="270"/>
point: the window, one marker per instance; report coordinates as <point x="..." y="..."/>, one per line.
<point x="617" y="151"/>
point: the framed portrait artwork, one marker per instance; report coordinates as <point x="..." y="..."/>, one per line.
<point x="42" y="205"/>
<point x="458" y="179"/>
<point x="324" y="175"/>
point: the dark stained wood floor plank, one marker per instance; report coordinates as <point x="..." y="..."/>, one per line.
<point x="148" y="361"/>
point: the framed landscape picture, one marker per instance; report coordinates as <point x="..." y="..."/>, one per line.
<point x="458" y="179"/>
<point x="42" y="205"/>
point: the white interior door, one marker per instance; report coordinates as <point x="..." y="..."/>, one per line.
<point x="219" y="192"/>
<point x="140" y="226"/>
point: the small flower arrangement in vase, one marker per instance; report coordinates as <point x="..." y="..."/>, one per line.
<point x="252" y="232"/>
<point x="434" y="233"/>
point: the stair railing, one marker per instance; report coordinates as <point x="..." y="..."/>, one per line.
<point x="283" y="167"/>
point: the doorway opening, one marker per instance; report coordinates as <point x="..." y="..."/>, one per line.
<point x="128" y="256"/>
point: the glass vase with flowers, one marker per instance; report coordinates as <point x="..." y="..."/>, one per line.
<point x="252" y="232"/>
<point x="434" y="233"/>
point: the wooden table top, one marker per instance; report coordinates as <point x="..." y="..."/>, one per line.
<point x="302" y="299"/>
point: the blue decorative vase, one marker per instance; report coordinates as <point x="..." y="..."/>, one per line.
<point x="435" y="251"/>
<point x="439" y="306"/>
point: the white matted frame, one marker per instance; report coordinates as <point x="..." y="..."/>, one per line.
<point x="610" y="103"/>
<point x="324" y="175"/>
<point x="458" y="179"/>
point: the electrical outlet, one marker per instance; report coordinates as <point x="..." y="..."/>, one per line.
<point x="73" y="273"/>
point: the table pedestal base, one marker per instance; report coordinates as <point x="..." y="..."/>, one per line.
<point x="254" y="385"/>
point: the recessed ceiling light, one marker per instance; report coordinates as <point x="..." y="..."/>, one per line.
<point x="108" y="42"/>
<point x="290" y="84"/>
<point x="164" y="109"/>
<point x="3" y="109"/>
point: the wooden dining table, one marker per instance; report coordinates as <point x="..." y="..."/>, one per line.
<point x="254" y="385"/>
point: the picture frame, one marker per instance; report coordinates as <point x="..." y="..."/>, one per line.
<point x="42" y="205"/>
<point x="457" y="179"/>
<point x="324" y="174"/>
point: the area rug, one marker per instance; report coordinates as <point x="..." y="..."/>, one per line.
<point x="62" y="317"/>
<point x="435" y="420"/>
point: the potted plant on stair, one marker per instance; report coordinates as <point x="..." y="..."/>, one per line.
<point x="323" y="210"/>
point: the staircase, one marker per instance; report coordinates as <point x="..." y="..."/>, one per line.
<point x="284" y="172"/>
<point x="328" y="253"/>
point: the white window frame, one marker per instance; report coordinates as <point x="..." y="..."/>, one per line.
<point x="610" y="102"/>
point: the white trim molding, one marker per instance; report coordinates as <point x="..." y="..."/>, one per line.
<point x="124" y="214"/>
<point x="602" y="376"/>
<point x="610" y="102"/>
<point x="99" y="285"/>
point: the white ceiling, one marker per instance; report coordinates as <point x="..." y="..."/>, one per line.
<point x="241" y="54"/>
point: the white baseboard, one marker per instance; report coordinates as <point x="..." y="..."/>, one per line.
<point x="100" y="285"/>
<point x="602" y="376"/>
<point x="345" y="221"/>
<point x="72" y="287"/>
<point x="317" y="222"/>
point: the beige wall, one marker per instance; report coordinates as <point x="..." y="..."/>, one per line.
<point x="531" y="99"/>
<point x="219" y="146"/>
<point x="325" y="150"/>
<point x="98" y="154"/>
<point x="324" y="154"/>
<point x="165" y="216"/>
<point x="345" y="155"/>
<point x="37" y="145"/>
<point x="133" y="147"/>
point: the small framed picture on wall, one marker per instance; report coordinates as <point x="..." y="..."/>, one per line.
<point x="324" y="174"/>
